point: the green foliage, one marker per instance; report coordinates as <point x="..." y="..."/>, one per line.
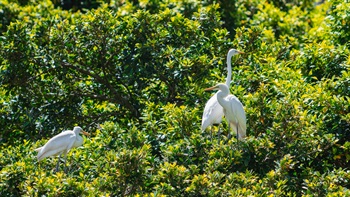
<point x="323" y="61"/>
<point x="78" y="4"/>
<point x="236" y="13"/>
<point x="8" y="13"/>
<point x="130" y="59"/>
<point x="338" y="20"/>
<point x="132" y="73"/>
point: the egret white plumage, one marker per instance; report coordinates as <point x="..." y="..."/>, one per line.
<point x="213" y="112"/>
<point x="61" y="144"/>
<point x="233" y="109"/>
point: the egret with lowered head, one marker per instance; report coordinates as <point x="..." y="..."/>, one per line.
<point x="233" y="110"/>
<point x="61" y="143"/>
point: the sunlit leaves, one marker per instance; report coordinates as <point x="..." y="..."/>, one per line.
<point x="133" y="75"/>
<point x="103" y="58"/>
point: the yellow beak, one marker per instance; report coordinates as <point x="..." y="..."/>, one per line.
<point x="85" y="133"/>
<point x="209" y="89"/>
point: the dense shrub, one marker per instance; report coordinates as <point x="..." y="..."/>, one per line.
<point x="76" y="5"/>
<point x="8" y="13"/>
<point x="102" y="57"/>
<point x="132" y="73"/>
<point x="338" y="20"/>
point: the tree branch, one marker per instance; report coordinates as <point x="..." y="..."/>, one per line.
<point x="117" y="96"/>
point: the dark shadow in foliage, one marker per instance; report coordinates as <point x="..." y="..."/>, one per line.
<point x="75" y="5"/>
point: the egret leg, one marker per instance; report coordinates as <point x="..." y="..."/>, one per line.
<point x="65" y="160"/>
<point x="237" y="133"/>
<point x="219" y="133"/>
<point x="229" y="132"/>
<point x="211" y="132"/>
<point x="58" y="162"/>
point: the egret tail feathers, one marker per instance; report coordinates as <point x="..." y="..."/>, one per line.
<point x="38" y="149"/>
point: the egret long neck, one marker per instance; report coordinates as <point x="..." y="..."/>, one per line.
<point x="229" y="68"/>
<point x="221" y="95"/>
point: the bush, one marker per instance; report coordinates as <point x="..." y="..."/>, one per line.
<point x="77" y="65"/>
<point x="132" y="73"/>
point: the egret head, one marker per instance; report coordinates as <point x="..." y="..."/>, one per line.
<point x="233" y="52"/>
<point x="220" y="86"/>
<point x="78" y="129"/>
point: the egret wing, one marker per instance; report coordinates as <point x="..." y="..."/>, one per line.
<point x="57" y="144"/>
<point x="38" y="149"/>
<point x="239" y="113"/>
<point x="212" y="114"/>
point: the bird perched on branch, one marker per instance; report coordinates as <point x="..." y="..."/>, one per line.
<point x="61" y="144"/>
<point x="213" y="112"/>
<point x="233" y="110"/>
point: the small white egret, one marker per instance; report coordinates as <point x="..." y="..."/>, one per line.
<point x="61" y="143"/>
<point x="213" y="112"/>
<point x="233" y="110"/>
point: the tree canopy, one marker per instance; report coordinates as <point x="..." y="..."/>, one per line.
<point x="132" y="73"/>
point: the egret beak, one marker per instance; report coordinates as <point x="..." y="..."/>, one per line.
<point x="85" y="133"/>
<point x="211" y="88"/>
<point x="240" y="52"/>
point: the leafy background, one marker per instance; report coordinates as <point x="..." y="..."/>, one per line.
<point x="132" y="74"/>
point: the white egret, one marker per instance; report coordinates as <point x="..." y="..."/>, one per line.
<point x="61" y="143"/>
<point x="233" y="110"/>
<point x="213" y="112"/>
